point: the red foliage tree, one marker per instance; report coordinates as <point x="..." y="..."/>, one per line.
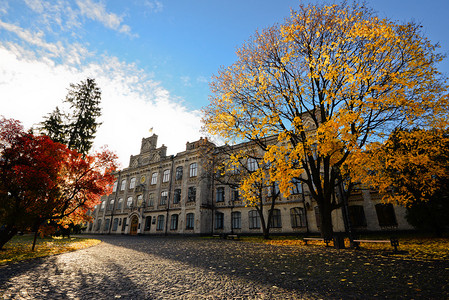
<point x="42" y="181"/>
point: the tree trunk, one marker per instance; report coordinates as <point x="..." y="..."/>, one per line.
<point x="6" y="234"/>
<point x="35" y="237"/>
<point x="326" y="228"/>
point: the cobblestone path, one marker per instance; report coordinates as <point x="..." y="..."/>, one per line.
<point x="125" y="267"/>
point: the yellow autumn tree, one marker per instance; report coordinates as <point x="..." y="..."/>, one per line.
<point x="328" y="82"/>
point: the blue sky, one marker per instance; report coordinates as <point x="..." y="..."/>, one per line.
<point x="153" y="59"/>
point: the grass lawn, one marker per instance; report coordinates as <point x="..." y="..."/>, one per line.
<point x="19" y="247"/>
<point x="411" y="247"/>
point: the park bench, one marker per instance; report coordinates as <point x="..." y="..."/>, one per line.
<point x="232" y="236"/>
<point x="326" y="241"/>
<point x="394" y="242"/>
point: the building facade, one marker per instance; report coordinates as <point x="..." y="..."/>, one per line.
<point x="176" y="194"/>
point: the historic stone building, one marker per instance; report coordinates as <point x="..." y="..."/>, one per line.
<point x="176" y="194"/>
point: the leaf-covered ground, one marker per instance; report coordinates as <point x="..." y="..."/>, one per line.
<point x="19" y="247"/>
<point x="419" y="248"/>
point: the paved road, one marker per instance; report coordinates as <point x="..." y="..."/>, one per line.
<point x="125" y="267"/>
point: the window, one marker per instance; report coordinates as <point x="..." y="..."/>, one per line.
<point x="99" y="224"/>
<point x="297" y="187"/>
<point x="275" y="221"/>
<point x="177" y="196"/>
<point x="190" y="221"/>
<point x="111" y="204"/>
<point x="151" y="199"/>
<point x="236" y="219"/>
<point x="119" y="204"/>
<point x="220" y="194"/>
<point x="164" y="196"/>
<point x="124" y="224"/>
<point x="132" y="183"/>
<point x="160" y="222"/>
<point x="103" y="204"/>
<point x="317" y="216"/>
<point x="193" y="169"/>
<point x="174" y="222"/>
<point x="106" y="224"/>
<point x="385" y="215"/>
<point x="115" y="224"/>
<point x="123" y="185"/>
<point x="166" y="176"/>
<point x="252" y="164"/>
<point x="139" y="200"/>
<point x="235" y="195"/>
<point x="273" y="189"/>
<point x="129" y="202"/>
<point x="114" y="188"/>
<point x="219" y="220"/>
<point x="154" y="178"/>
<point x="254" y="219"/>
<point x="147" y="223"/>
<point x="178" y="173"/>
<point x="297" y="217"/>
<point x="191" y="194"/>
<point x="357" y="215"/>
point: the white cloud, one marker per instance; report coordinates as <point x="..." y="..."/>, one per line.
<point x="36" y="5"/>
<point x="59" y="12"/>
<point x="33" y="38"/>
<point x="132" y="104"/>
<point x="154" y="5"/>
<point x="97" y="12"/>
<point x="185" y="80"/>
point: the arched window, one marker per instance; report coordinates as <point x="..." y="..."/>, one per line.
<point x="174" y="222"/>
<point x="148" y="223"/>
<point x="115" y="224"/>
<point x="276" y="219"/>
<point x="103" y="204"/>
<point x="139" y="200"/>
<point x="132" y="183"/>
<point x="111" y="204"/>
<point x="254" y="219"/>
<point x="129" y="202"/>
<point x="166" y="176"/>
<point x="114" y="188"/>
<point x="190" y="221"/>
<point x="151" y="199"/>
<point x="193" y="170"/>
<point x="191" y="194"/>
<point x="220" y="194"/>
<point x="252" y="164"/>
<point x="123" y="185"/>
<point x="236" y="218"/>
<point x="177" y="196"/>
<point x="119" y="203"/>
<point x="154" y="178"/>
<point x="160" y="222"/>
<point x="106" y="224"/>
<point x="164" y="196"/>
<point x="297" y="217"/>
<point x="219" y="220"/>
<point x="178" y="173"/>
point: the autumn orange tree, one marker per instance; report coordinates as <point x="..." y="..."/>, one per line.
<point x="328" y="82"/>
<point x="412" y="168"/>
<point x="42" y="181"/>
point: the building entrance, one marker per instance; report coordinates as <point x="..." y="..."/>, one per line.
<point x="134" y="225"/>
